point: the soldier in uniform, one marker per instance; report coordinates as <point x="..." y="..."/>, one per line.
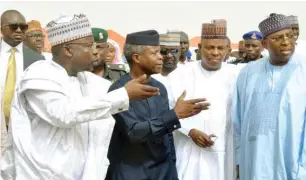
<point x="111" y="72"/>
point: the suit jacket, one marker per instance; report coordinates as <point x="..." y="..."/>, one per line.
<point x="141" y="146"/>
<point x="30" y="56"/>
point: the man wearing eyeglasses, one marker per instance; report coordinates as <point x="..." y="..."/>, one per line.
<point x="14" y="58"/>
<point x="111" y="72"/>
<point x="54" y="102"/>
<point x="269" y="108"/>
<point x="35" y="39"/>
<point x="170" y="51"/>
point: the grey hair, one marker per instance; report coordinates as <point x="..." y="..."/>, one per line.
<point x="130" y="49"/>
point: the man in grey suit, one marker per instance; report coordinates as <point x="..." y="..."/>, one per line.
<point x="14" y="59"/>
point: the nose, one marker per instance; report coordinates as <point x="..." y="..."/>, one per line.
<point x="248" y="49"/>
<point x="18" y="30"/>
<point x="159" y="56"/>
<point x="95" y="51"/>
<point x="285" y="41"/>
<point x="215" y="52"/>
<point x="169" y="55"/>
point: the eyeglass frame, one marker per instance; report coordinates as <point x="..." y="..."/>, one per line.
<point x="18" y="26"/>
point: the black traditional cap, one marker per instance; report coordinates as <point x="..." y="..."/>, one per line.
<point x="147" y="38"/>
<point x="274" y="23"/>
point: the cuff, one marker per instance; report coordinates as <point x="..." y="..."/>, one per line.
<point x="171" y="121"/>
<point x="119" y="99"/>
<point x="185" y="131"/>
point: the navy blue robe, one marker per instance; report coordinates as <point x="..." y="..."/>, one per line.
<point x="141" y="146"/>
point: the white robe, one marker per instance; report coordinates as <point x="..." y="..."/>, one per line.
<point x="100" y="133"/>
<point x="161" y="78"/>
<point x="50" y="135"/>
<point x="194" y="162"/>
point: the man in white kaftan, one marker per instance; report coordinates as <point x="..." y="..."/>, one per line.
<point x="215" y="81"/>
<point x="54" y="101"/>
<point x="269" y="109"/>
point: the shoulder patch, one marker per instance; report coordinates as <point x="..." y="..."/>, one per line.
<point x="118" y="67"/>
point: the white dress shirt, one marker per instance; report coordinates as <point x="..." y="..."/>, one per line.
<point x="4" y="57"/>
<point x="5" y="52"/>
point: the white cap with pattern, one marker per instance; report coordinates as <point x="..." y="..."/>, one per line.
<point x="68" y="28"/>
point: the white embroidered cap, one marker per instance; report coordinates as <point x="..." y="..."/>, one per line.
<point x="67" y="28"/>
<point x="293" y="20"/>
<point x="169" y="39"/>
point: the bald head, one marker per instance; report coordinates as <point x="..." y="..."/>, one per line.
<point x="13" y="27"/>
<point x="10" y="14"/>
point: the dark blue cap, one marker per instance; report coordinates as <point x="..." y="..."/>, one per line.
<point x="146" y="38"/>
<point x="252" y="35"/>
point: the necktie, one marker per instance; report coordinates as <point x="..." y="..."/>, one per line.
<point x="9" y="86"/>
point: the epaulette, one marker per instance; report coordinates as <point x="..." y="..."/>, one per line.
<point x="236" y="61"/>
<point x="118" y="67"/>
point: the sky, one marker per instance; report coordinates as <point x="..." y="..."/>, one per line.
<point x="126" y="17"/>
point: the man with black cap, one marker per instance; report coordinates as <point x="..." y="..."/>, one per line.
<point x="269" y="108"/>
<point x="111" y="72"/>
<point x="204" y="143"/>
<point x="142" y="146"/>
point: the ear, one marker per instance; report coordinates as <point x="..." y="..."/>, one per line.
<point x="136" y="58"/>
<point x="67" y="51"/>
<point x="264" y="44"/>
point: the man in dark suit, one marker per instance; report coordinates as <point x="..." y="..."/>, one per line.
<point x="141" y="146"/>
<point x="14" y="58"/>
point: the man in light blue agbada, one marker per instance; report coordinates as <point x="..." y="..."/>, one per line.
<point x="269" y="108"/>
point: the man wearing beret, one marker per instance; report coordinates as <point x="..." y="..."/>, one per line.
<point x="142" y="146"/>
<point x="111" y="72"/>
<point x="269" y="108"/>
<point x="252" y="46"/>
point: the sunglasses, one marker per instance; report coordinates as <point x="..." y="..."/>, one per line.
<point x="14" y="27"/>
<point x="165" y="52"/>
